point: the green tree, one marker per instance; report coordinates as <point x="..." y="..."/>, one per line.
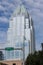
<point x="35" y="59"/>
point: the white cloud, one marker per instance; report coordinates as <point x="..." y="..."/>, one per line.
<point x="3" y="38"/>
<point x="36" y="12"/>
<point x="38" y="0"/>
<point x="2" y="8"/>
<point x="35" y="7"/>
<point x="30" y="1"/>
<point x="5" y="2"/>
<point x="3" y="19"/>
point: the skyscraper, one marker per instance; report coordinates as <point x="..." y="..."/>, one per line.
<point x="21" y="29"/>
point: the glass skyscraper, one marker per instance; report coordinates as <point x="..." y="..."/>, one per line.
<point x="21" y="31"/>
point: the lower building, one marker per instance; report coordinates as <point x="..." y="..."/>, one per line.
<point x="11" y="62"/>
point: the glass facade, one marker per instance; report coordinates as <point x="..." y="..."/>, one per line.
<point x="17" y="26"/>
<point x="20" y="30"/>
<point x="16" y="35"/>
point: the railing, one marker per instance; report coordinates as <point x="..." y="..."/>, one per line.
<point x="10" y="54"/>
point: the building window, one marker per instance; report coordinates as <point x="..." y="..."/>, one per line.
<point x="16" y="54"/>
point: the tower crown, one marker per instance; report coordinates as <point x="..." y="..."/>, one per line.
<point x="21" y="10"/>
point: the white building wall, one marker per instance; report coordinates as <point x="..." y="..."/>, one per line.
<point x="16" y="31"/>
<point x="19" y="30"/>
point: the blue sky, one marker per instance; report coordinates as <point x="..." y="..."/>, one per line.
<point x="35" y="8"/>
